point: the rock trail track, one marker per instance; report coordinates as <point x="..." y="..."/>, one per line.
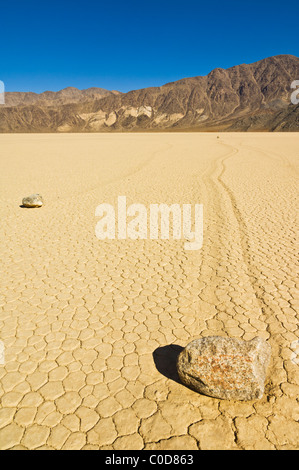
<point x="92" y="329"/>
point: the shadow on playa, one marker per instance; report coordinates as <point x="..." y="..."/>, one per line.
<point x="165" y="358"/>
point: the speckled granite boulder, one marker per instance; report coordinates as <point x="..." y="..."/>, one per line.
<point x="35" y="200"/>
<point x="226" y="368"/>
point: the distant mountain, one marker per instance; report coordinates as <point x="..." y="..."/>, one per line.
<point x="254" y="97"/>
<point x="52" y="98"/>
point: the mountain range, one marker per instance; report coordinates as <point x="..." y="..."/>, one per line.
<point x="247" y="97"/>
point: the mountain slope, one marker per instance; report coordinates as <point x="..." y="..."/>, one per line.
<point x="244" y="97"/>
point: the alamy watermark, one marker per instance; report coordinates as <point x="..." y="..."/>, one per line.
<point x="2" y="93"/>
<point x="295" y="94"/>
<point x="153" y="223"/>
<point x="295" y="353"/>
<point x="2" y="357"/>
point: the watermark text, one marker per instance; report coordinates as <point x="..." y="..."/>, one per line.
<point x="2" y="93"/>
<point x="2" y="357"/>
<point x="295" y="94"/>
<point x="295" y="353"/>
<point x="137" y="222"/>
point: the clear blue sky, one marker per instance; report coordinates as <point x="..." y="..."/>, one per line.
<point x="132" y="44"/>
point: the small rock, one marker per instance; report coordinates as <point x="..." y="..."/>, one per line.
<point x="35" y="200"/>
<point x="225" y="368"/>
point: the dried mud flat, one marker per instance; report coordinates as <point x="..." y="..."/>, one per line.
<point x="92" y="328"/>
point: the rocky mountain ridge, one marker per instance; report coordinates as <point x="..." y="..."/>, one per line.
<point x="247" y="97"/>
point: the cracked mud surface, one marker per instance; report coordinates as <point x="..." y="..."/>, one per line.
<point x="92" y="329"/>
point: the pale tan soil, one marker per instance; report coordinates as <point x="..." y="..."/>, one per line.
<point x="82" y="320"/>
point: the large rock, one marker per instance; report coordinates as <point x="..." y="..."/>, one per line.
<point x="35" y="200"/>
<point x="226" y="368"/>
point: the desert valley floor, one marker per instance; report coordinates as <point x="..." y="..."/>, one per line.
<point x="91" y="329"/>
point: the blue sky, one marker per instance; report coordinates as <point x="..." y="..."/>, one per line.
<point x="125" y="45"/>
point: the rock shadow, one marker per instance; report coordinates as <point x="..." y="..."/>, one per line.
<point x="165" y="358"/>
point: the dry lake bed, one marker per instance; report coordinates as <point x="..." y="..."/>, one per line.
<point x="91" y="328"/>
